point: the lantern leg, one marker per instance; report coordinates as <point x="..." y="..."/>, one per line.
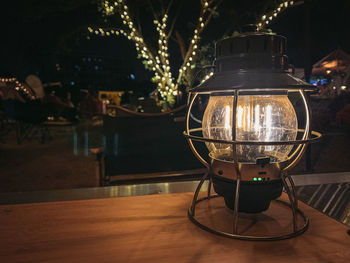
<point x="236" y="207"/>
<point x="210" y="183"/>
<point x="194" y="201"/>
<point x="291" y="200"/>
<point x="293" y="190"/>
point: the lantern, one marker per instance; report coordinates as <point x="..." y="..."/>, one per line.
<point x="255" y="126"/>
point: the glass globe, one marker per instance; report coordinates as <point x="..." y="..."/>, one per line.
<point x="259" y="118"/>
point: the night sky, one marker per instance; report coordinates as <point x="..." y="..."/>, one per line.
<point x="35" y="33"/>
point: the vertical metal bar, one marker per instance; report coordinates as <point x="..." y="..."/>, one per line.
<point x="193" y="149"/>
<point x="235" y="164"/>
<point x="195" y="196"/>
<point x="234" y="110"/>
<point x="293" y="190"/>
<point x="291" y="200"/>
<point x="209" y="186"/>
<point x="309" y="120"/>
<point x="305" y="136"/>
<point x="308" y="153"/>
<point x="236" y="208"/>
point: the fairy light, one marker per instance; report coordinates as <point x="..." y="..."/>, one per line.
<point x="208" y="76"/>
<point x="18" y="86"/>
<point x="266" y="19"/>
<point x="159" y="62"/>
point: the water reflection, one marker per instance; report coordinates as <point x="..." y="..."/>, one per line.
<point x="82" y="143"/>
<point x="86" y="143"/>
<point x="115" y="144"/>
<point x="75" y="144"/>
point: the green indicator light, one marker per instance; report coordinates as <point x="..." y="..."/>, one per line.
<point x="255" y="179"/>
<point x="259" y="179"/>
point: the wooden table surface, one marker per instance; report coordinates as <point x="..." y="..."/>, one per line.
<point x="151" y="228"/>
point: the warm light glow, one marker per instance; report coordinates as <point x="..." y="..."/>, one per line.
<point x="227" y="117"/>
<point x="157" y="60"/>
<point x="239" y="117"/>
<point x="258" y="118"/>
<point x="273" y="14"/>
<point x="330" y="64"/>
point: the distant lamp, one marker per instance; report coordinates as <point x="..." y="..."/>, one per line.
<point x="251" y="129"/>
<point x="328" y="71"/>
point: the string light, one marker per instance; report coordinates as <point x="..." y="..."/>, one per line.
<point x="18" y="86"/>
<point x="208" y="76"/>
<point x="159" y="62"/>
<point x="267" y="18"/>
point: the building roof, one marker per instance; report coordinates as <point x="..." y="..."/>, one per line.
<point x="336" y="61"/>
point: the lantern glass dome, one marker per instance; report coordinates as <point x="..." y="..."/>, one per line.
<point x="259" y="118"/>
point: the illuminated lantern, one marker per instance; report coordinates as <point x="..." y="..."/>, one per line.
<point x="256" y="126"/>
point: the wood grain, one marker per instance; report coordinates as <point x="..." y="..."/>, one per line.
<point x="149" y="229"/>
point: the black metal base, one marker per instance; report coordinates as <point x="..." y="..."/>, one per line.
<point x="295" y="233"/>
<point x="255" y="197"/>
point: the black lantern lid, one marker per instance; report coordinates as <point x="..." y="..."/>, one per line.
<point x="251" y="61"/>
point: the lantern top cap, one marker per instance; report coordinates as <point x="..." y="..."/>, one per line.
<point x="252" y="60"/>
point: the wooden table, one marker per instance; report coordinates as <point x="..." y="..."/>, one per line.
<point x="151" y="228"/>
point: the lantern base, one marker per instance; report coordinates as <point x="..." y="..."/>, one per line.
<point x="208" y="219"/>
<point x="249" y="237"/>
<point x="255" y="197"/>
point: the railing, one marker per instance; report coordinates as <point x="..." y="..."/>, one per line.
<point x="145" y="114"/>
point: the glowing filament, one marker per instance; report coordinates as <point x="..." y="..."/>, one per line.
<point x="239" y="117"/>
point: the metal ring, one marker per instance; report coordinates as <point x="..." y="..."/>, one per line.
<point x="317" y="137"/>
<point x="251" y="238"/>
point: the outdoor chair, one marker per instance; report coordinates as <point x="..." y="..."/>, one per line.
<point x="28" y="119"/>
<point x="150" y="148"/>
<point x="4" y="125"/>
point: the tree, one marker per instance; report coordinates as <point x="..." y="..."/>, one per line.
<point x="155" y="56"/>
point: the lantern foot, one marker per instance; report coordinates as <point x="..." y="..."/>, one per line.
<point x="211" y="221"/>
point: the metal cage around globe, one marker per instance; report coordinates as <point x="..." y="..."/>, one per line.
<point x="250" y="128"/>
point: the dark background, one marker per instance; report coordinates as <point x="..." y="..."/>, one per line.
<point x="49" y="38"/>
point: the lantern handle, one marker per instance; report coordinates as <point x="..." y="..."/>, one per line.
<point x="301" y="148"/>
<point x="193" y="149"/>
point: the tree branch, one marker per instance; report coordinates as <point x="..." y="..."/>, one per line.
<point x="181" y="43"/>
<point x="174" y="21"/>
<point x="153" y="11"/>
<point x="169" y="5"/>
